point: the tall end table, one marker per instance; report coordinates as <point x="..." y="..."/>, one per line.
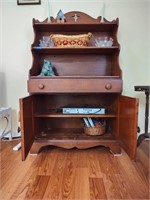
<point x="145" y="89"/>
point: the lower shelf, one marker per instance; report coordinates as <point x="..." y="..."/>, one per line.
<point x="74" y="138"/>
<point x="70" y="133"/>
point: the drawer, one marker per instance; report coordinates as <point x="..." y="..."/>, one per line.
<point x="75" y="85"/>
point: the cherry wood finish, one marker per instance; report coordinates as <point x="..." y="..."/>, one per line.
<point x="128" y="112"/>
<point x="27" y="129"/>
<point x="76" y="85"/>
<point x="88" y="76"/>
<point x="57" y="173"/>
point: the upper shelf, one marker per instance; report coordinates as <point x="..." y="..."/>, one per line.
<point x="47" y="27"/>
<point x="75" y="21"/>
<point x="82" y="50"/>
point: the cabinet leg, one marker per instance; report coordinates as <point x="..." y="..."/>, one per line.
<point x="35" y="148"/>
<point x="116" y="150"/>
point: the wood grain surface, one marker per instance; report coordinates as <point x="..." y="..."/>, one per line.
<point x="57" y="174"/>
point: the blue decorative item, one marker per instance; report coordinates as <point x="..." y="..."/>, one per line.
<point x="47" y="69"/>
<point x="60" y="17"/>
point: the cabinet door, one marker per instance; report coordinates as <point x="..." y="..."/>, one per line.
<point x="127" y="121"/>
<point x="27" y="126"/>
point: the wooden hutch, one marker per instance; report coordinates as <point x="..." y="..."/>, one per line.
<point x="87" y="76"/>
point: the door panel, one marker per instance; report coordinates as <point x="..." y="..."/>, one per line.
<point x="127" y="120"/>
<point x="27" y="126"/>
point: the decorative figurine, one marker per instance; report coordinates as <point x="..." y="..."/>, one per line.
<point x="75" y="16"/>
<point x="60" y="17"/>
<point x="47" y="69"/>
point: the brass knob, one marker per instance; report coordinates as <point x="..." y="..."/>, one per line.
<point x="40" y="86"/>
<point x="108" y="86"/>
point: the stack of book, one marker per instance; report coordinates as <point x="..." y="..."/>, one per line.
<point x="93" y="122"/>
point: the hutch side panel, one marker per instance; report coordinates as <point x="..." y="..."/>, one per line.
<point x="128" y="119"/>
<point x="27" y="125"/>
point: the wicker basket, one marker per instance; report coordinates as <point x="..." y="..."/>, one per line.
<point x="81" y="40"/>
<point x="94" y="130"/>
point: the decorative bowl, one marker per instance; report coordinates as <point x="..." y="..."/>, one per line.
<point x="81" y="40"/>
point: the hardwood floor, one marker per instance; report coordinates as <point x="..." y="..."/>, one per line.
<point x="58" y="174"/>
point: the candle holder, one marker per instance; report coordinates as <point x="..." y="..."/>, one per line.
<point x="104" y="42"/>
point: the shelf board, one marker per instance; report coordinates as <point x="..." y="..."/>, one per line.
<point x="61" y="115"/>
<point x="75" y="138"/>
<point x="70" y="134"/>
<point x="75" y="77"/>
<point x="78" y="27"/>
<point x="75" y="51"/>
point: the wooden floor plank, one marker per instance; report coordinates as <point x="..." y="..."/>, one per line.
<point x="69" y="176"/>
<point x="94" y="164"/>
<point x="137" y="186"/>
<point x="12" y="169"/>
<point x="97" y="189"/>
<point x="81" y="184"/>
<point x="54" y="187"/>
<point x="38" y="187"/>
<point x="26" y="183"/>
<point x="57" y="174"/>
<point x="109" y="172"/>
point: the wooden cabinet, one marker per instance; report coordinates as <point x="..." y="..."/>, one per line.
<point x="87" y="76"/>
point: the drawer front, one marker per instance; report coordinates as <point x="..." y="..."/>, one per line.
<point x="75" y="85"/>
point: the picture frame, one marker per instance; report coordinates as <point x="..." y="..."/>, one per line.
<point x="28" y="2"/>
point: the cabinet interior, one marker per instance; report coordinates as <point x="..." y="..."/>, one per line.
<point x="77" y="65"/>
<point x="49" y="119"/>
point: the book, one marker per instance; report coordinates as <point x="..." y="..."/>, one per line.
<point x="91" y="122"/>
<point x="86" y="122"/>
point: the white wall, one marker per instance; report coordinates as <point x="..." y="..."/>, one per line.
<point x="16" y="36"/>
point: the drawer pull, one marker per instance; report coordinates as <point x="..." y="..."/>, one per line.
<point x="108" y="86"/>
<point x="40" y="86"/>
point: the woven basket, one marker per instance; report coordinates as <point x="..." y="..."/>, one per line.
<point x="81" y="40"/>
<point x="94" y="130"/>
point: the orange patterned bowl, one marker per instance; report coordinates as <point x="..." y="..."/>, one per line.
<point x="81" y="40"/>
